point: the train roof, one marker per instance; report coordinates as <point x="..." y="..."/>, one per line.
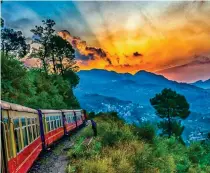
<point x="72" y="110"/>
<point x="49" y="111"/>
<point x="16" y="107"/>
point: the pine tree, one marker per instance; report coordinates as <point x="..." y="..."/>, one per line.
<point x="169" y="104"/>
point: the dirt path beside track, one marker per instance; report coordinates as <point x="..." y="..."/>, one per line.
<point x="54" y="160"/>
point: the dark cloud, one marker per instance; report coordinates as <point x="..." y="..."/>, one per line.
<point x="84" y="52"/>
<point x="100" y="52"/>
<point x="199" y="59"/>
<point x="137" y="54"/>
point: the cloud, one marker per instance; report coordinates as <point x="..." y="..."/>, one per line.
<point x="137" y="54"/>
<point x="84" y="52"/>
<point x="19" y="17"/>
<point x="197" y="69"/>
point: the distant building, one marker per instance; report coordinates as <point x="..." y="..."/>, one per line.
<point x="198" y="136"/>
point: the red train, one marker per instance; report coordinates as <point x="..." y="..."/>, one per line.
<point x="25" y="132"/>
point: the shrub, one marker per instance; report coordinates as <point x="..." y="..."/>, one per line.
<point x="145" y="131"/>
<point x="119" y="148"/>
<point x="196" y="152"/>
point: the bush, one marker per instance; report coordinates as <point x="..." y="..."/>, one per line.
<point x="145" y="131"/>
<point x="119" y="148"/>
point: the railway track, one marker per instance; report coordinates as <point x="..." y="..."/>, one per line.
<point x="55" y="159"/>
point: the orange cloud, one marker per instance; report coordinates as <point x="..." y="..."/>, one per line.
<point x="151" y="38"/>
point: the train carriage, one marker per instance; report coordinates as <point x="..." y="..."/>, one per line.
<point x="79" y="117"/>
<point x="25" y="132"/>
<point x="69" y="120"/>
<point x="52" y="124"/>
<point x="21" y="140"/>
<point x="72" y="119"/>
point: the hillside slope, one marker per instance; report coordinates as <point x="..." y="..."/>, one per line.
<point x="122" y="148"/>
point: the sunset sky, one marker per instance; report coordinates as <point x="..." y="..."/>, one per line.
<point x="168" y="38"/>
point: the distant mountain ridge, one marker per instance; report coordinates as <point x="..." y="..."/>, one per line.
<point x="202" y="84"/>
<point x="129" y="95"/>
<point x="138" y="88"/>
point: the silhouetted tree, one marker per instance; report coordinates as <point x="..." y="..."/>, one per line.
<point x="2" y="22"/>
<point x="13" y="42"/>
<point x="43" y="35"/>
<point x="169" y="104"/>
<point x="176" y="128"/>
<point x="63" y="59"/>
<point x="64" y="52"/>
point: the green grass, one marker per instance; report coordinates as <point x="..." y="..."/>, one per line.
<point x="123" y="148"/>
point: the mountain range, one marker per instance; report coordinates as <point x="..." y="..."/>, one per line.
<point x="202" y="84"/>
<point x="129" y="95"/>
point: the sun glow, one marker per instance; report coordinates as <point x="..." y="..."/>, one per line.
<point x="149" y="37"/>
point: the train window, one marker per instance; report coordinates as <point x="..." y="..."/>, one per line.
<point x="18" y="148"/>
<point x="34" y="128"/>
<point x="55" y="120"/>
<point x="37" y="127"/>
<point x="30" y="130"/>
<point x="70" y="118"/>
<point x="17" y="135"/>
<point x="52" y="125"/>
<point x="7" y="136"/>
<point x="58" y="120"/>
<point x="16" y="123"/>
<point x="48" y="126"/>
<point x="52" y="119"/>
<point x="25" y="132"/>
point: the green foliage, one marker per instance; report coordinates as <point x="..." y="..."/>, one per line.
<point x="57" y="55"/>
<point x="42" y="35"/>
<point x="176" y="128"/>
<point x="169" y="104"/>
<point x="33" y="87"/>
<point x="71" y="76"/>
<point x="91" y="115"/>
<point x="2" y="22"/>
<point x="13" y="42"/>
<point x="119" y="148"/>
<point x="145" y="131"/>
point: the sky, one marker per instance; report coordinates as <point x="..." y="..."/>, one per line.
<point x="171" y="38"/>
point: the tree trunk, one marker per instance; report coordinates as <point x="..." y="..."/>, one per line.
<point x="54" y="64"/>
<point x="62" y="73"/>
<point x="44" y="58"/>
<point x="44" y="65"/>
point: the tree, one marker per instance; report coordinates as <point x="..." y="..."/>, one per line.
<point x="176" y="129"/>
<point x="2" y="22"/>
<point x="169" y="104"/>
<point x="42" y="36"/>
<point x="30" y="87"/>
<point x="63" y="59"/>
<point x="13" y="42"/>
<point x="64" y="54"/>
<point x="15" y="84"/>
